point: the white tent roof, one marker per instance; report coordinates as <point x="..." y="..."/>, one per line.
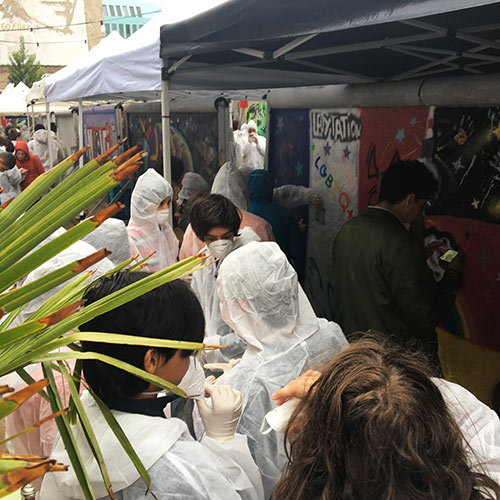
<point x="125" y="69"/>
<point x="12" y="99"/>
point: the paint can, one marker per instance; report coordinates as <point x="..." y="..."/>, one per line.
<point x="28" y="492"/>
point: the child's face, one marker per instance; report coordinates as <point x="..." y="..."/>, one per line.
<point x="3" y="167"/>
<point x="174" y="369"/>
<point x="21" y="155"/>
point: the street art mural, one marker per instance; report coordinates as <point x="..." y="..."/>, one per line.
<point x="466" y="156"/>
<point x="333" y="173"/>
<point x="389" y="134"/>
<point x="289" y="162"/>
<point x="99" y="129"/>
<point x="349" y="151"/>
<point x="194" y="140"/>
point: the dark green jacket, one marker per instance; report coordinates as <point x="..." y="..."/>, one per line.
<point x="381" y="280"/>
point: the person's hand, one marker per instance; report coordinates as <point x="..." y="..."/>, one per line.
<point x="297" y="388"/>
<point x="458" y="263"/>
<point x="1" y="189"/>
<point x="23" y="172"/>
<point x="223" y="367"/>
<point x="252" y="138"/>
<point x="221" y="420"/>
<point x="315" y="200"/>
<point x="434" y="246"/>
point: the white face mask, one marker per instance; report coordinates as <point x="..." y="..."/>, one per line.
<point x="162" y="216"/>
<point x="221" y="248"/>
<point x="193" y="382"/>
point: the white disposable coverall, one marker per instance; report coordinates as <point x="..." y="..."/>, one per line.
<point x="253" y="153"/>
<point x="204" y="284"/>
<point x="179" y="466"/>
<point x="39" y="146"/>
<point x="261" y="300"/>
<point x="145" y="235"/>
<point x="10" y="180"/>
<point x="479" y="424"/>
<point x="192" y="183"/>
<point x="112" y="235"/>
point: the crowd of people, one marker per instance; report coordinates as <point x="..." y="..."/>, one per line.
<point x="352" y="414"/>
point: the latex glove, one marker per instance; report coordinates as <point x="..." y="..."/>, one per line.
<point x="221" y="420"/>
<point x="315" y="200"/>
<point x="224" y="367"/>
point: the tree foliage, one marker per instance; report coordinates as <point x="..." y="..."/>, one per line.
<point x="23" y="67"/>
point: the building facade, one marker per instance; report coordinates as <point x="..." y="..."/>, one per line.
<point x="127" y="16"/>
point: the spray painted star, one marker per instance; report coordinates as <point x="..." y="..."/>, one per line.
<point x="281" y="123"/>
<point x="458" y="164"/>
<point x="346" y="153"/>
<point x="475" y="203"/>
<point x="298" y="168"/>
<point x="400" y="135"/>
<point x="327" y="148"/>
<point x="413" y="121"/>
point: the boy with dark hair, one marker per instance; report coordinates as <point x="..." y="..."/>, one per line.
<point x="217" y="467"/>
<point x="380" y="275"/>
<point x="10" y="177"/>
<point x="216" y="221"/>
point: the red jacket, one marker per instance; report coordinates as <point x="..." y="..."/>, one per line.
<point x="32" y="165"/>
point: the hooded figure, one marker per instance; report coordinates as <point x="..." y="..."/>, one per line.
<point x="192" y="184"/>
<point x="229" y="182"/>
<point x="263" y="302"/>
<point x="253" y="149"/>
<point x="285" y="228"/>
<point x="112" y="235"/>
<point x="29" y="165"/>
<point x="148" y="229"/>
<point x="39" y="146"/>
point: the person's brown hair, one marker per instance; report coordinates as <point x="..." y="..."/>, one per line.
<point x="375" y="427"/>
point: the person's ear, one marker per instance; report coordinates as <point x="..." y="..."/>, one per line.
<point x="409" y="200"/>
<point x="151" y="361"/>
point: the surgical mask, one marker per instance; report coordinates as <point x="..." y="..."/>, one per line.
<point x="162" y="216"/>
<point x="193" y="382"/>
<point x="221" y="248"/>
<point x="278" y="418"/>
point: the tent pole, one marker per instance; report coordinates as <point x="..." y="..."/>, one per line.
<point x="224" y="126"/>
<point x="80" y="128"/>
<point x="32" y="117"/>
<point x="165" y="129"/>
<point x="49" y="139"/>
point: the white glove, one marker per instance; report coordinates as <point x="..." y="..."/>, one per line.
<point x="223" y="367"/>
<point x="315" y="200"/>
<point x="221" y="420"/>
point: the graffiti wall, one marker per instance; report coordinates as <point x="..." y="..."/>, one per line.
<point x="334" y="145"/>
<point x="194" y="140"/>
<point x="99" y="129"/>
<point x="349" y="151"/>
<point x="289" y="162"/>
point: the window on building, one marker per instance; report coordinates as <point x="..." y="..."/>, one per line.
<point x="120" y="29"/>
<point x="113" y="27"/>
<point x="112" y="10"/>
<point x="119" y="10"/>
<point x="125" y="10"/>
<point x="105" y="10"/>
<point x="106" y="27"/>
<point x="127" y="30"/>
<point x="132" y="11"/>
<point x="139" y="13"/>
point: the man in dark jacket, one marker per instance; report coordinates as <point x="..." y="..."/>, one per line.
<point x="381" y="278"/>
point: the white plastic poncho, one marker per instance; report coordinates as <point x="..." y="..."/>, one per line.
<point x="145" y="235"/>
<point x="231" y="183"/>
<point x="261" y="299"/>
<point x="10" y="180"/>
<point x="253" y="153"/>
<point x="179" y="467"/>
<point x="204" y="284"/>
<point x="192" y="183"/>
<point x="112" y="235"/>
<point x="39" y="146"/>
<point x="479" y="424"/>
